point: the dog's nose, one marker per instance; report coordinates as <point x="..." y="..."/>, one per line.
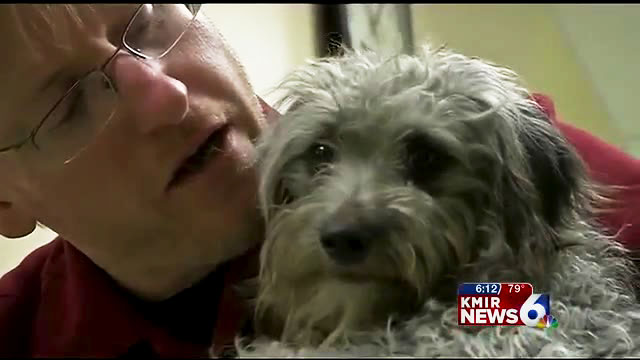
<point x="346" y="244"/>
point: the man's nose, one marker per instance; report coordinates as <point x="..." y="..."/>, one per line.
<point x="147" y="95"/>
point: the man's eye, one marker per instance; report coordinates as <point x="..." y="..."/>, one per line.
<point x="151" y="28"/>
<point x="139" y="28"/>
<point x="67" y="111"/>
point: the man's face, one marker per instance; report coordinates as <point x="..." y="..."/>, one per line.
<point x="122" y="197"/>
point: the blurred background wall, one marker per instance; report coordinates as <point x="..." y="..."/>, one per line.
<point x="581" y="55"/>
<point x="584" y="56"/>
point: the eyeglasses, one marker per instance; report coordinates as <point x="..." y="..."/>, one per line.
<point x="88" y="106"/>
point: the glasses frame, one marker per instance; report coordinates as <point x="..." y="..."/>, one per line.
<point x="101" y="69"/>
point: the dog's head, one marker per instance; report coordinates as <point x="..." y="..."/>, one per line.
<point x="389" y="176"/>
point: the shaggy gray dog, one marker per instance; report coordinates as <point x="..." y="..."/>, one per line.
<point x="390" y="181"/>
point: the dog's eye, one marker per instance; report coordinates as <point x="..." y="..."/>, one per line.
<point x="320" y="155"/>
<point x="423" y="162"/>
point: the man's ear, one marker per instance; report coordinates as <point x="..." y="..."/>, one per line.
<point x="15" y="223"/>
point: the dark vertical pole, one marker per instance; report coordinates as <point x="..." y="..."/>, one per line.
<point x="331" y="27"/>
<point x="406" y="27"/>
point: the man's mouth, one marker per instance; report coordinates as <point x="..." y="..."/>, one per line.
<point x="211" y="147"/>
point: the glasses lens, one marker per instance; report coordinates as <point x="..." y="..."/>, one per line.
<point x="79" y="117"/>
<point x="156" y="28"/>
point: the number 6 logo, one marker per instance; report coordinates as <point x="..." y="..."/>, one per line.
<point x="534" y="309"/>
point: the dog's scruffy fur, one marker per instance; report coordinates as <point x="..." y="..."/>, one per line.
<point x="445" y="170"/>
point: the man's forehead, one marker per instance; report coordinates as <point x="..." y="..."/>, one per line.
<point x="40" y="28"/>
<point x="41" y="39"/>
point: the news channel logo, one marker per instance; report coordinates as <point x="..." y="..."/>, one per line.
<point x="514" y="304"/>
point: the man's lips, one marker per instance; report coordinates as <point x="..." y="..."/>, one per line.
<point x="204" y="146"/>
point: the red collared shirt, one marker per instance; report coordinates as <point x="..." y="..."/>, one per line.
<point x="57" y="303"/>
<point x="610" y="166"/>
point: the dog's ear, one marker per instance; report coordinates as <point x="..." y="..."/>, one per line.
<point x="555" y="168"/>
